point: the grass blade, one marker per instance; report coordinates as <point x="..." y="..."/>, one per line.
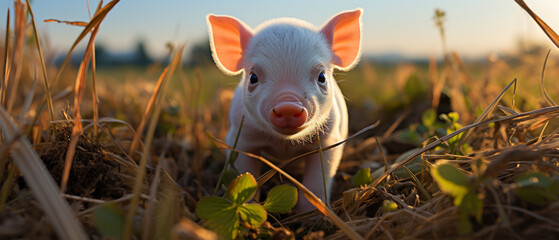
<point x="43" y="66"/>
<point x="6" y="186"/>
<point x="73" y="23"/>
<point x="153" y="196"/>
<point x="544" y="92"/>
<point x="127" y="233"/>
<point x="41" y="183"/>
<point x="419" y="185"/>
<point x="434" y="82"/>
<point x="322" y="168"/>
<point x="147" y="112"/>
<point x="17" y="55"/>
<point x="29" y="96"/>
<point x="93" y="23"/>
<point x="488" y="110"/>
<point x="198" y="160"/>
<point x="6" y="67"/>
<point x="78" y="94"/>
<point x="95" y="100"/>
<point x="546" y="29"/>
<point x="382" y="154"/>
<point x="232" y="155"/>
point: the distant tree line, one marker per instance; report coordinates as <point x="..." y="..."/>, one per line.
<point x="199" y="55"/>
<point x="138" y="56"/>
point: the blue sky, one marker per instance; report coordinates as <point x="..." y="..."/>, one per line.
<point x="474" y="27"/>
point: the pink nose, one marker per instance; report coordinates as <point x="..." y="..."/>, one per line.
<point x="288" y="115"/>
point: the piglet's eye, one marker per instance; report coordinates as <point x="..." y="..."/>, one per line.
<point x="253" y="78"/>
<point x="321" y="77"/>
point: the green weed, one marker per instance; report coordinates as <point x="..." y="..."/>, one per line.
<point x="233" y="215"/>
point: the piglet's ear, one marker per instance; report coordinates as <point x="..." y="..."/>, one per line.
<point x="343" y="33"/>
<point x="229" y="38"/>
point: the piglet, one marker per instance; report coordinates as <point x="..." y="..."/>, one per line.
<point x="287" y="93"/>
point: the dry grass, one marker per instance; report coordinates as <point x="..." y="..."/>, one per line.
<point x="509" y="151"/>
<point x="148" y="156"/>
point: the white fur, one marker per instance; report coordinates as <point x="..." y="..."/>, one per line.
<point x="287" y="55"/>
<point x="298" y="51"/>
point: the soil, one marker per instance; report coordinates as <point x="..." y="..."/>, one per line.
<point x="91" y="174"/>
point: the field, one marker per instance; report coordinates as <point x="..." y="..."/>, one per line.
<point x="443" y="148"/>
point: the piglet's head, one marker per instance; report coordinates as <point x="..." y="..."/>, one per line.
<point x="287" y="65"/>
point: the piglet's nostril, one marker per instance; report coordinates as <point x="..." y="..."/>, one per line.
<point x="297" y="115"/>
<point x="276" y="114"/>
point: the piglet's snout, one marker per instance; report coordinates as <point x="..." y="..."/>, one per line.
<point x="288" y="115"/>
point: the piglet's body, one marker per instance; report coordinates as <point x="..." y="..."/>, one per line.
<point x="287" y="92"/>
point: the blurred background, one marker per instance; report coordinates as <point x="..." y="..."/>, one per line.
<point x="393" y="30"/>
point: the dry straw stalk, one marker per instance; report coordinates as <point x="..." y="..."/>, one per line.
<point x="40" y="181"/>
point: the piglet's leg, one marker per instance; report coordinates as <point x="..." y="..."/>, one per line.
<point x="313" y="180"/>
<point x="246" y="164"/>
<point x="243" y="163"/>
